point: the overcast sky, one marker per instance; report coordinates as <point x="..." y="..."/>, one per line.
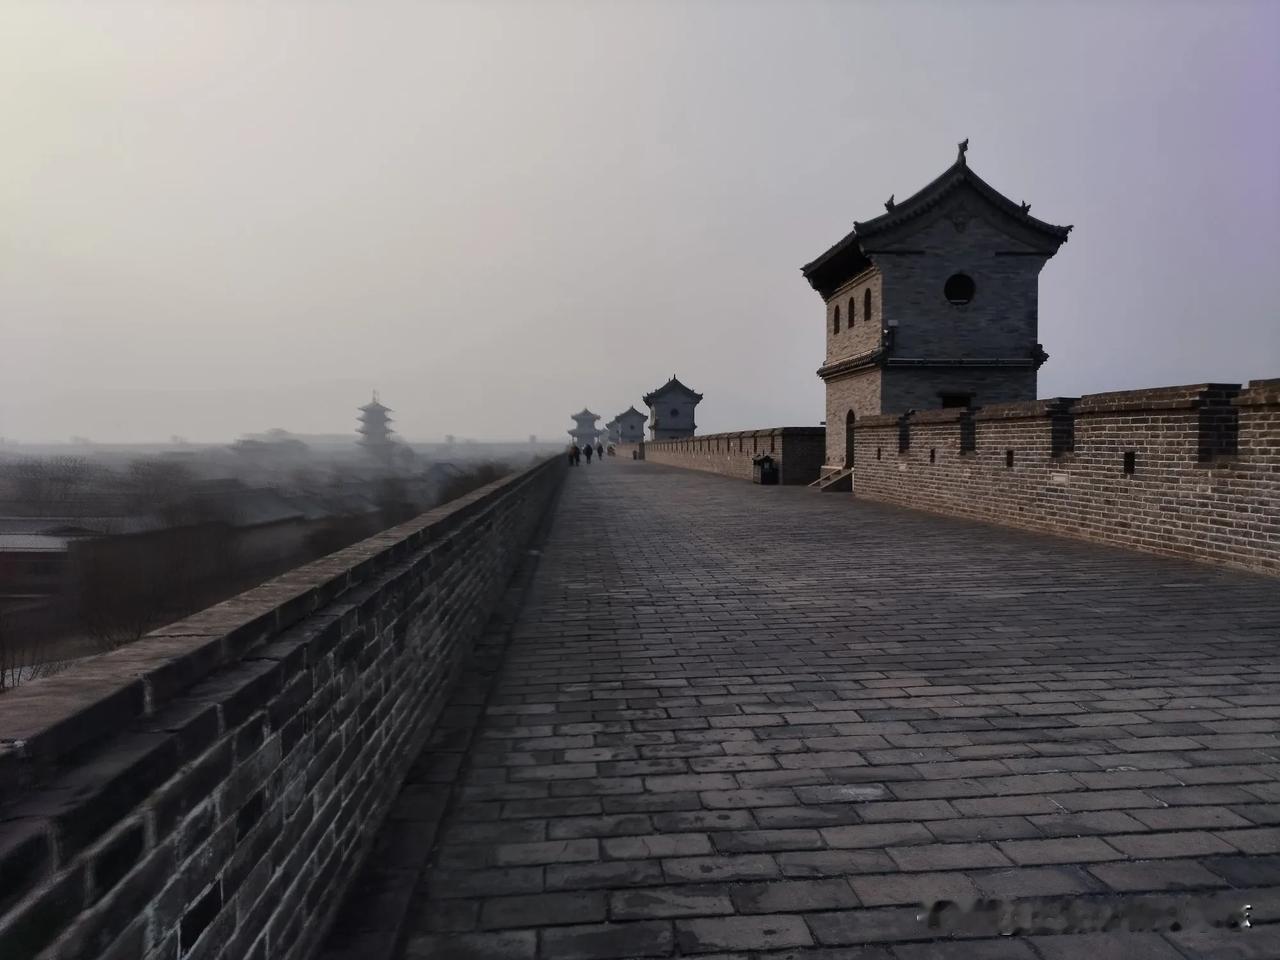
<point x="218" y="218"/>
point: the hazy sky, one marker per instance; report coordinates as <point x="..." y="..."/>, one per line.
<point x="223" y="217"/>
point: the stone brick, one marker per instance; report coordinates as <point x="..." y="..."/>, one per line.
<point x="620" y="873"/>
<point x="703" y="820"/>
<point x="656" y="845"/>
<point x="907" y="810"/>
<point x="754" y="841"/>
<point x="968" y="950"/>
<point x="1185" y="818"/>
<point x="660" y="902"/>
<point x="1089" y="822"/>
<point x="786" y="896"/>
<point x="714" y="869"/>
<point x="832" y="863"/>
<point x="1107" y="946"/>
<point x="950" y="856"/>
<point x="876" y="835"/>
<point x="1190" y="843"/>
<point x="36" y="922"/>
<point x="880" y="891"/>
<point x="775" y="931"/>
<point x="26" y="856"/>
<point x="609" y="941"/>
<point x="1156" y="875"/>
<point x="542" y="909"/>
<point x="1059" y="850"/>
<point x="810" y="816"/>
<point x="508" y="945"/>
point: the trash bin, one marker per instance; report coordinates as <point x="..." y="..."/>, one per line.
<point x="765" y="469"/>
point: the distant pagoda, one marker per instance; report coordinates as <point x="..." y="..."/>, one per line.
<point x="375" y="429"/>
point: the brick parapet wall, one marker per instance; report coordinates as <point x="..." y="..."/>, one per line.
<point x="1258" y="437"/>
<point x="1205" y="480"/>
<point x="208" y="791"/>
<point x="799" y="452"/>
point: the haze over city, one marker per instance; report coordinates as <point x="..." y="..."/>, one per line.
<point x="221" y="218"/>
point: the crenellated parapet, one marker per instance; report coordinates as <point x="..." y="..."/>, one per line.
<point x="1187" y="470"/>
<point x="798" y="451"/>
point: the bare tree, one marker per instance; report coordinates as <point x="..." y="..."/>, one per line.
<point x="473" y="478"/>
<point x="157" y="486"/>
<point x="122" y="583"/>
<point x="393" y="500"/>
<point x="53" y="484"/>
<point x="24" y="655"/>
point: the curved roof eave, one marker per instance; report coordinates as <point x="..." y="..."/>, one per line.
<point x="918" y="203"/>
<point x="671" y="386"/>
<point x="940" y="187"/>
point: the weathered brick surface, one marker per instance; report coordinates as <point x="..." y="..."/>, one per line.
<point x="210" y="791"/>
<point x="798" y="452"/>
<point x="911" y="707"/>
<point x="1203" y="465"/>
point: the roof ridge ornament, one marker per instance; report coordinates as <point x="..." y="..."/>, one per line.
<point x="1024" y="207"/>
<point x="888" y="204"/>
<point x="964" y="147"/>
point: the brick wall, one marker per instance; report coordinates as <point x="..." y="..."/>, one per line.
<point x="858" y="332"/>
<point x="858" y="392"/>
<point x="798" y="451"/>
<point x="1189" y="471"/>
<point x="208" y="791"/>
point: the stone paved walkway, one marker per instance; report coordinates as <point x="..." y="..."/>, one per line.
<point x="750" y="722"/>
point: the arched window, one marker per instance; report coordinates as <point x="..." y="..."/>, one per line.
<point x="852" y="313"/>
<point x="835" y="320"/>
<point x="959" y="289"/>
<point x="866" y="305"/>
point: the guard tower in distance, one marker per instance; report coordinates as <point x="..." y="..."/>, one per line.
<point x="585" y="431"/>
<point x="630" y="424"/>
<point x="671" y="409"/>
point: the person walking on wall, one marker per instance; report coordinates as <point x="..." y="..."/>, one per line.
<point x="600" y="450"/>
<point x="587" y="451"/>
<point x="573" y="455"/>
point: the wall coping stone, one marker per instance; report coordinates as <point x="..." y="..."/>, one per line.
<point x="878" y="420"/>
<point x="1259" y="393"/>
<point x="1028" y="410"/>
<point x="1188" y="397"/>
<point x="736" y="434"/>
<point x="940" y="415"/>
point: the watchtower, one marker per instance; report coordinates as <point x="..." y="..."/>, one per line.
<point x="671" y="409"/>
<point x="584" y="431"/>
<point x="932" y="304"/>
<point x="630" y="424"/>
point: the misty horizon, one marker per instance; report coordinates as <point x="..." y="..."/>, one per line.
<point x="221" y="219"/>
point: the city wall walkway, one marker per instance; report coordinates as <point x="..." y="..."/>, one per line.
<point x="741" y="721"/>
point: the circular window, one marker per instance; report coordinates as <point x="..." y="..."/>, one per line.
<point x="959" y="288"/>
<point x="675" y="412"/>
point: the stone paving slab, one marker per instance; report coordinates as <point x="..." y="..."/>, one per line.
<point x="755" y="722"/>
